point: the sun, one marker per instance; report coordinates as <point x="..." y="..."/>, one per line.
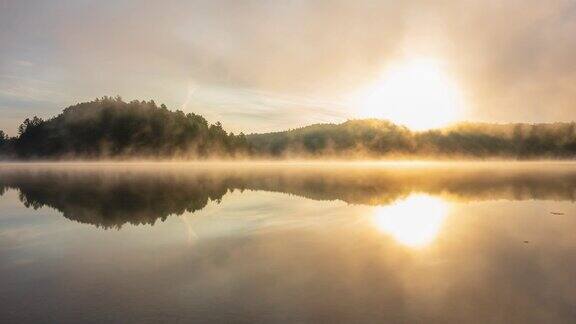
<point x="416" y="93"/>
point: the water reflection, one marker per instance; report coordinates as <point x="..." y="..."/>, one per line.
<point x="302" y="244"/>
<point x="110" y="196"/>
<point x="414" y="221"/>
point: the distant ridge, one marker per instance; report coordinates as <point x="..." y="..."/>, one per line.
<point x="373" y="138"/>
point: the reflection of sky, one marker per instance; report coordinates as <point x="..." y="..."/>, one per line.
<point x="275" y="256"/>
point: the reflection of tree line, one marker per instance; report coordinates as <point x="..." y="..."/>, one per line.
<point x="110" y="200"/>
<point x="113" y="197"/>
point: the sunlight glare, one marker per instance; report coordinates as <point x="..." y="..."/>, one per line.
<point x="414" y="221"/>
<point x="418" y="94"/>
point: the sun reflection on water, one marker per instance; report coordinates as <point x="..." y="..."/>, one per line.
<point x="414" y="221"/>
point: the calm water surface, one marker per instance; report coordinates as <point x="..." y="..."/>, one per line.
<point x="318" y="243"/>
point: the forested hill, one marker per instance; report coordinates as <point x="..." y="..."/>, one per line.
<point x="372" y="138"/>
<point x="112" y="128"/>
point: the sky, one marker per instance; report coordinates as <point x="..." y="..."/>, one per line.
<point x="261" y="66"/>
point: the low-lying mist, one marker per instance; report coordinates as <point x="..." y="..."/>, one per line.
<point x="111" y="129"/>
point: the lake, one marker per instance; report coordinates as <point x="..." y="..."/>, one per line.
<point x="288" y="242"/>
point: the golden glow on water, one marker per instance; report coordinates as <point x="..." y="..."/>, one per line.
<point x="291" y="235"/>
<point x="414" y="221"/>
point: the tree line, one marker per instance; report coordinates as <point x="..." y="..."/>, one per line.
<point x="372" y="138"/>
<point x="112" y="128"/>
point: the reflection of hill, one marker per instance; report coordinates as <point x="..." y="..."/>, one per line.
<point x="377" y="186"/>
<point x="112" y="199"/>
<point x="113" y="196"/>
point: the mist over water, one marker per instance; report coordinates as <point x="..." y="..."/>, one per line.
<point x="288" y="242"/>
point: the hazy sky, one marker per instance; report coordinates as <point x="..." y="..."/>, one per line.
<point x="270" y="65"/>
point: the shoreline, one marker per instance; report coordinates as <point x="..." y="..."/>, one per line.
<point x="296" y="163"/>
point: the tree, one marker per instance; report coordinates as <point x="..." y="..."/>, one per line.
<point x="29" y="124"/>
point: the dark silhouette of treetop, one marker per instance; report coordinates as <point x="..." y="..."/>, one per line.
<point x="110" y="127"/>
